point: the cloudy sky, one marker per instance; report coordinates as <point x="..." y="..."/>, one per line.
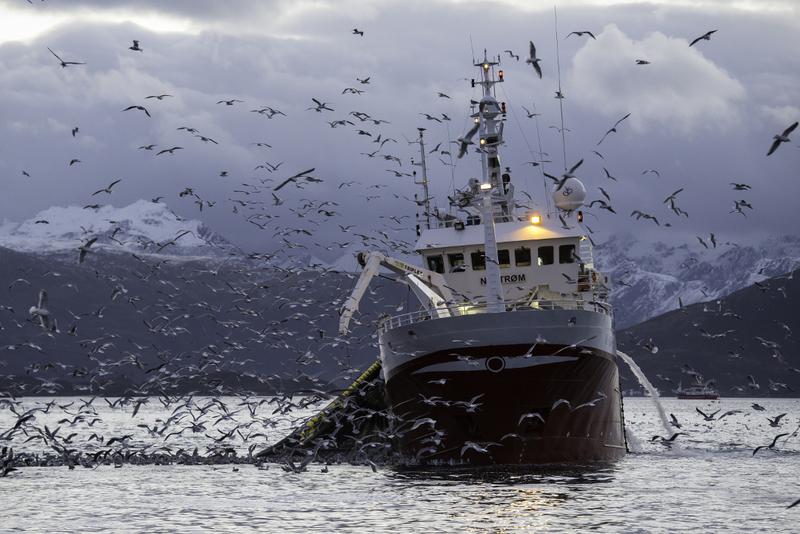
<point x="702" y="116"/>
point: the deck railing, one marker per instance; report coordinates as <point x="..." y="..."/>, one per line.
<point x="458" y="310"/>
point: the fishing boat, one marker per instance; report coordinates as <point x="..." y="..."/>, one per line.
<point x="511" y="357"/>
<point x="697" y="391"/>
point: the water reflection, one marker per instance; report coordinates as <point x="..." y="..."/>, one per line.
<point x="509" y="475"/>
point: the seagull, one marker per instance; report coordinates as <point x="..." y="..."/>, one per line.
<point x="674" y="421"/>
<point x="512" y="54"/>
<point x="230" y="102"/>
<point x="667" y="441"/>
<point x="40" y="311"/>
<point x="171" y="151"/>
<point x="465" y="141"/>
<point x="135" y="46"/>
<point x="781" y="138"/>
<point x="707" y="417"/>
<point x="320" y="106"/>
<point x="295" y="177"/>
<point x="75" y="131"/>
<point x="363" y="80"/>
<point x="771" y="445"/>
<point x="776" y="421"/>
<point x="642" y="62"/>
<point x="356" y="31"/>
<point x="672" y="197"/>
<point x="740" y="187"/>
<point x="533" y="60"/>
<point x="613" y="129"/>
<point x="431" y="118"/>
<point x="141" y="108"/>
<point x="530" y="415"/>
<point x="705" y="37"/>
<point x="581" y="34"/>
<point x="107" y="189"/>
<point x="564" y="177"/>
<point x="529" y="113"/>
<point x="65" y="63"/>
<point x="84" y="249"/>
<point x="158" y="97"/>
<point x="477" y="447"/>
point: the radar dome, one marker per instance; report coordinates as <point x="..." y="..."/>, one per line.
<point x="571" y="195"/>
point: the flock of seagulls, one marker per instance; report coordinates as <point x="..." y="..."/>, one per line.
<point x="189" y="416"/>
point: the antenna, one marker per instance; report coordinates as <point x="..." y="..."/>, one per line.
<point x="472" y="47"/>
<point x="560" y="95"/>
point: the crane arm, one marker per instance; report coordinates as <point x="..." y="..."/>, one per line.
<point x="428" y="286"/>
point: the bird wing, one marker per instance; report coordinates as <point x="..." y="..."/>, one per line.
<point x="790" y="129"/>
<point x="43" y="302"/>
<point x="115" y="182"/>
<point x="575" y="167"/>
<point x="695" y="41"/>
<point x="775" y="144"/>
<point x="279" y="186"/>
<point x="55" y="54"/>
<point x="532" y="50"/>
<point x="537" y="68"/>
<point x="622" y="119"/>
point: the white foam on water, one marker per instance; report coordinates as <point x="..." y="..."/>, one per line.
<point x="640" y="376"/>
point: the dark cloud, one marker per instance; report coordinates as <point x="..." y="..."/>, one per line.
<point x="702" y="117"/>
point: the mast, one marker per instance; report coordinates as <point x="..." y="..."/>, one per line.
<point x="490" y="118"/>
<point x="426" y="201"/>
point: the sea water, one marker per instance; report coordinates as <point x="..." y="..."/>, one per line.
<point x="707" y="481"/>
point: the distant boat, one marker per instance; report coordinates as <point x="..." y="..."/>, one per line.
<point x="697" y="391"/>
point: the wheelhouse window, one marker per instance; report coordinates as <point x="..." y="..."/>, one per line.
<point x="504" y="258"/>
<point x="544" y="256"/>
<point x="478" y="261"/>
<point x="456" y="262"/>
<point x="436" y="263"/>
<point x="522" y="256"/>
<point x="566" y="254"/>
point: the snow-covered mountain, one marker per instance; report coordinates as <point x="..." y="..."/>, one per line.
<point x="143" y="227"/>
<point x="648" y="279"/>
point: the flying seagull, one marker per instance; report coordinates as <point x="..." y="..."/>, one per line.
<point x="295" y="177"/>
<point x="84" y="249"/>
<point x="581" y="34"/>
<point x="533" y="60"/>
<point x="141" y="108"/>
<point x="356" y="31"/>
<point x="771" y="445"/>
<point x="40" y="311"/>
<point x="705" y="37"/>
<point x="65" y="63"/>
<point x="781" y="138"/>
<point x="135" y="46"/>
<point x="107" y="189"/>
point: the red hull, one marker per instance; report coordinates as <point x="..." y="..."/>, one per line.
<point x="484" y="417"/>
